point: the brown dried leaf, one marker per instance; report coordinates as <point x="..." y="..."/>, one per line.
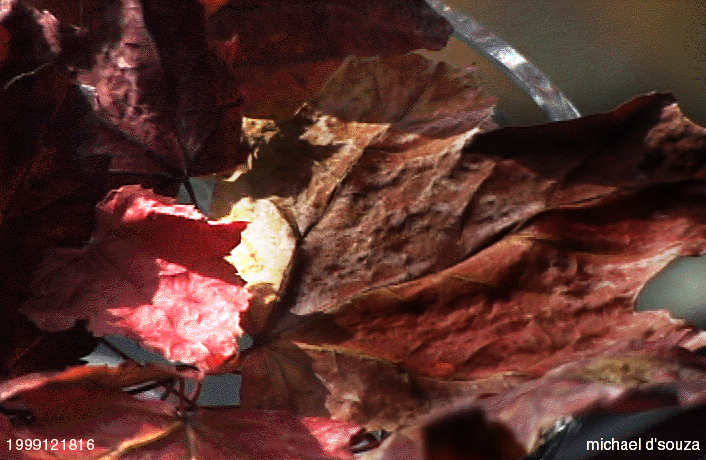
<point x="411" y="93"/>
<point x="466" y="271"/>
<point x="301" y="165"/>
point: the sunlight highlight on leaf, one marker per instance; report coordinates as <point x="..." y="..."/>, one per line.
<point x="154" y="272"/>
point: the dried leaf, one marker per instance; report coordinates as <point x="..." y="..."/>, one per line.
<point x="157" y="113"/>
<point x="411" y="93"/>
<point x="27" y="40"/>
<point x="264" y="256"/>
<point x="4" y="44"/>
<point x="438" y="272"/>
<point x="126" y="375"/>
<point x="276" y="92"/>
<point x="413" y="258"/>
<point x="301" y="165"/>
<point x="47" y="191"/>
<point x="132" y="98"/>
<point x="87" y="404"/>
<point x="271" y="32"/>
<point x="281" y="52"/>
<point x="199" y="88"/>
<point x="211" y="6"/>
<point x="154" y="272"/>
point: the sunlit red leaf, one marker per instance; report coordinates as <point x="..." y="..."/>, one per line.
<point x="155" y="272"/>
<point x="88" y="404"/>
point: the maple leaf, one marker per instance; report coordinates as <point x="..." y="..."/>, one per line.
<point x="89" y="404"/>
<point x="48" y="193"/>
<point x="166" y="102"/>
<point x="154" y="271"/>
<point x="402" y="254"/>
<point x="49" y="187"/>
<point x="158" y="94"/>
<point x="155" y="109"/>
<point x="150" y="118"/>
<point x="448" y="265"/>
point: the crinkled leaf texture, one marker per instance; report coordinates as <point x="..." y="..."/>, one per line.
<point x="88" y="404"/>
<point x="155" y="272"/>
<point x="352" y="130"/>
<point x="446" y="265"/>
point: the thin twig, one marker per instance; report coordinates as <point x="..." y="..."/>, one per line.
<point x="29" y="73"/>
<point x="150" y="386"/>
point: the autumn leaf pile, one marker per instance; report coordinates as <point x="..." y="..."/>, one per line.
<point x="403" y="265"/>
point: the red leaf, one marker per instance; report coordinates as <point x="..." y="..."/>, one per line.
<point x="4" y="44"/>
<point x="88" y="404"/>
<point x="154" y="272"/>
<point x="286" y="31"/>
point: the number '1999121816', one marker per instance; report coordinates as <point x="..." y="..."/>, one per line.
<point x="50" y="444"/>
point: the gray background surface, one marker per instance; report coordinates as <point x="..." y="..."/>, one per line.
<point x="599" y="52"/>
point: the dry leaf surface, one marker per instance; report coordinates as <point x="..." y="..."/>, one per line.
<point x="463" y="266"/>
<point x="100" y="94"/>
<point x="281" y="53"/>
<point x="47" y="192"/>
<point x="305" y="166"/>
